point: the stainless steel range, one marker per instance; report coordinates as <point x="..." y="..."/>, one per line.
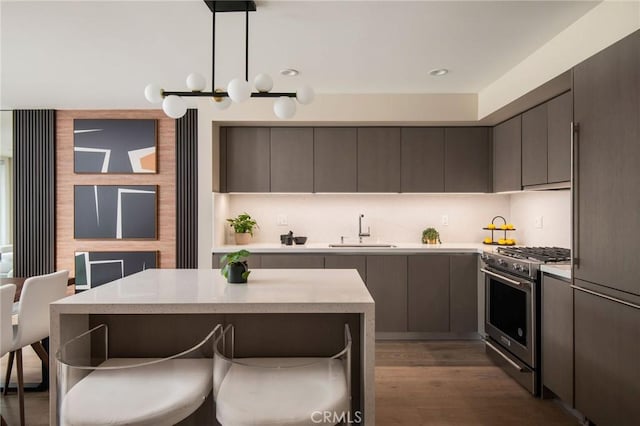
<point x="512" y="311"/>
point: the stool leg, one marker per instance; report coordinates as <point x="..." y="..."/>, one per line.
<point x="8" y="376"/>
<point x="2" y="421"/>
<point x="20" y="385"/>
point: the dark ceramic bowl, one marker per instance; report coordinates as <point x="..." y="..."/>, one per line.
<point x="300" y="240"/>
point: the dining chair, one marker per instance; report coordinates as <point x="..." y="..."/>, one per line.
<point x="289" y="391"/>
<point x="7" y="293"/>
<point x="33" y="323"/>
<point x="95" y="389"/>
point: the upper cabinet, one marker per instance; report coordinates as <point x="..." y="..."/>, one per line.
<point x="534" y="146"/>
<point x="291" y="159"/>
<point x="607" y="148"/>
<point x="507" y="148"/>
<point x="247" y="151"/>
<point x="546" y="142"/>
<point x="467" y="165"/>
<point x="422" y="151"/>
<point x="335" y="154"/>
<point x="378" y="165"/>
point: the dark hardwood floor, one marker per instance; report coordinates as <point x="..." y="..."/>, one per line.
<point x="443" y="383"/>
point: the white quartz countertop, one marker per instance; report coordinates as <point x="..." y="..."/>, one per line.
<point x="562" y="271"/>
<point x="324" y="248"/>
<point x="206" y="291"/>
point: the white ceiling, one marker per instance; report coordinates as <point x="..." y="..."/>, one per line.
<point x="102" y="54"/>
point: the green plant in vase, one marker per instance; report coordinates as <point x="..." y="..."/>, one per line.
<point x="431" y="236"/>
<point x="234" y="266"/>
<point x="243" y="225"/>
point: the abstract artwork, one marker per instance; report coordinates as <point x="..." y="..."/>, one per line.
<point x="114" y="146"/>
<point x="94" y="268"/>
<point x="115" y="211"/>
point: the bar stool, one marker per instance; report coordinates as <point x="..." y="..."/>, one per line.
<point x="280" y="391"/>
<point x="7" y="293"/>
<point x="94" y="389"/>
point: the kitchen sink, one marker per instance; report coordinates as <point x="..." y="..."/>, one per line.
<point x="363" y="245"/>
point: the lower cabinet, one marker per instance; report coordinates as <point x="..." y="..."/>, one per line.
<point x="463" y="293"/>
<point x="607" y="354"/>
<point x="341" y="261"/>
<point x="387" y="283"/>
<point x="292" y="261"/>
<point x="428" y="293"/>
<point x="557" y="337"/>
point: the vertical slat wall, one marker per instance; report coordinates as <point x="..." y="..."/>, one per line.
<point x="187" y="190"/>
<point x="34" y="154"/>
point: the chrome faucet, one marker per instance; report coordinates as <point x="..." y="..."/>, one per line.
<point x="360" y="233"/>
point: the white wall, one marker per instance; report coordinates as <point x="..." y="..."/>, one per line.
<point x="392" y="217"/>
<point x="555" y="209"/>
<point x="599" y="28"/>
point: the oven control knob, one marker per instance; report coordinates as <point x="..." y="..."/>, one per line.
<point x="501" y="262"/>
<point x="524" y="269"/>
<point x="514" y="266"/>
<point x="520" y="268"/>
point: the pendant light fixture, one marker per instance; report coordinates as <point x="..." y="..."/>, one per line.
<point x="239" y="89"/>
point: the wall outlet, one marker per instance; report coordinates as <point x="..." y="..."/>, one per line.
<point x="281" y="220"/>
<point x="445" y="220"/>
<point x="538" y="222"/>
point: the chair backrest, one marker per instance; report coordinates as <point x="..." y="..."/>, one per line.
<point x="33" y="307"/>
<point x="7" y="292"/>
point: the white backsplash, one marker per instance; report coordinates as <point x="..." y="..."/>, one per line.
<point x="392" y="217"/>
<point x="398" y="217"/>
<point x="554" y="207"/>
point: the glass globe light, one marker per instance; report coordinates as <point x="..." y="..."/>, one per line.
<point x="153" y="93"/>
<point x="174" y="106"/>
<point x="221" y="102"/>
<point x="239" y="90"/>
<point x="305" y="95"/>
<point x="263" y="83"/>
<point x="284" y="107"/>
<point x="196" y="82"/>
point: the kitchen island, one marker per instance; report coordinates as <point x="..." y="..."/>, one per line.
<point x="279" y="313"/>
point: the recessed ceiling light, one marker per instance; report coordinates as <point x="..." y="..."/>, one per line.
<point x="289" y="72"/>
<point x="439" y="72"/>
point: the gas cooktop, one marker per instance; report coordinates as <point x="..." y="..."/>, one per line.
<point x="537" y="254"/>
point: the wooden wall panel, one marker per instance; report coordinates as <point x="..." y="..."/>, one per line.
<point x="66" y="245"/>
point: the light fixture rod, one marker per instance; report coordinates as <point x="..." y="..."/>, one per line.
<point x="246" y="44"/>
<point x="213" y="48"/>
<point x="225" y="94"/>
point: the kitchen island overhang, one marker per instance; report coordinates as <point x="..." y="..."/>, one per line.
<point x="278" y="313"/>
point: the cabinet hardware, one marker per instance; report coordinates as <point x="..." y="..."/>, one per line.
<point x="575" y="215"/>
<point x="604" y="296"/>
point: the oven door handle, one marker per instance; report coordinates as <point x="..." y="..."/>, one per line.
<point x="509" y="280"/>
<point x="506" y="358"/>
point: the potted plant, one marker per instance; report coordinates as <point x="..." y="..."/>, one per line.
<point x="431" y="236"/>
<point x="243" y="225"/>
<point x="234" y="266"/>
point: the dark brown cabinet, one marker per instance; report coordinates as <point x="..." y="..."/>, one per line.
<point x="607" y="350"/>
<point x="557" y="337"/>
<point x="507" y="146"/>
<point x="463" y="293"/>
<point x="467" y="163"/>
<point x="387" y="283"/>
<point x="247" y="152"/>
<point x="422" y="151"/>
<point x="607" y="111"/>
<point x="254" y="261"/>
<point x="428" y="293"/>
<point x="334" y="159"/>
<point x="534" y="146"/>
<point x="378" y="165"/>
<point x="292" y="261"/>
<point x="559" y="118"/>
<point x="347" y="262"/>
<point x="291" y="159"/>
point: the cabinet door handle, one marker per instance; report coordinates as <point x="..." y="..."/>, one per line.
<point x="506" y="358"/>
<point x="604" y="296"/>
<point x="575" y="214"/>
